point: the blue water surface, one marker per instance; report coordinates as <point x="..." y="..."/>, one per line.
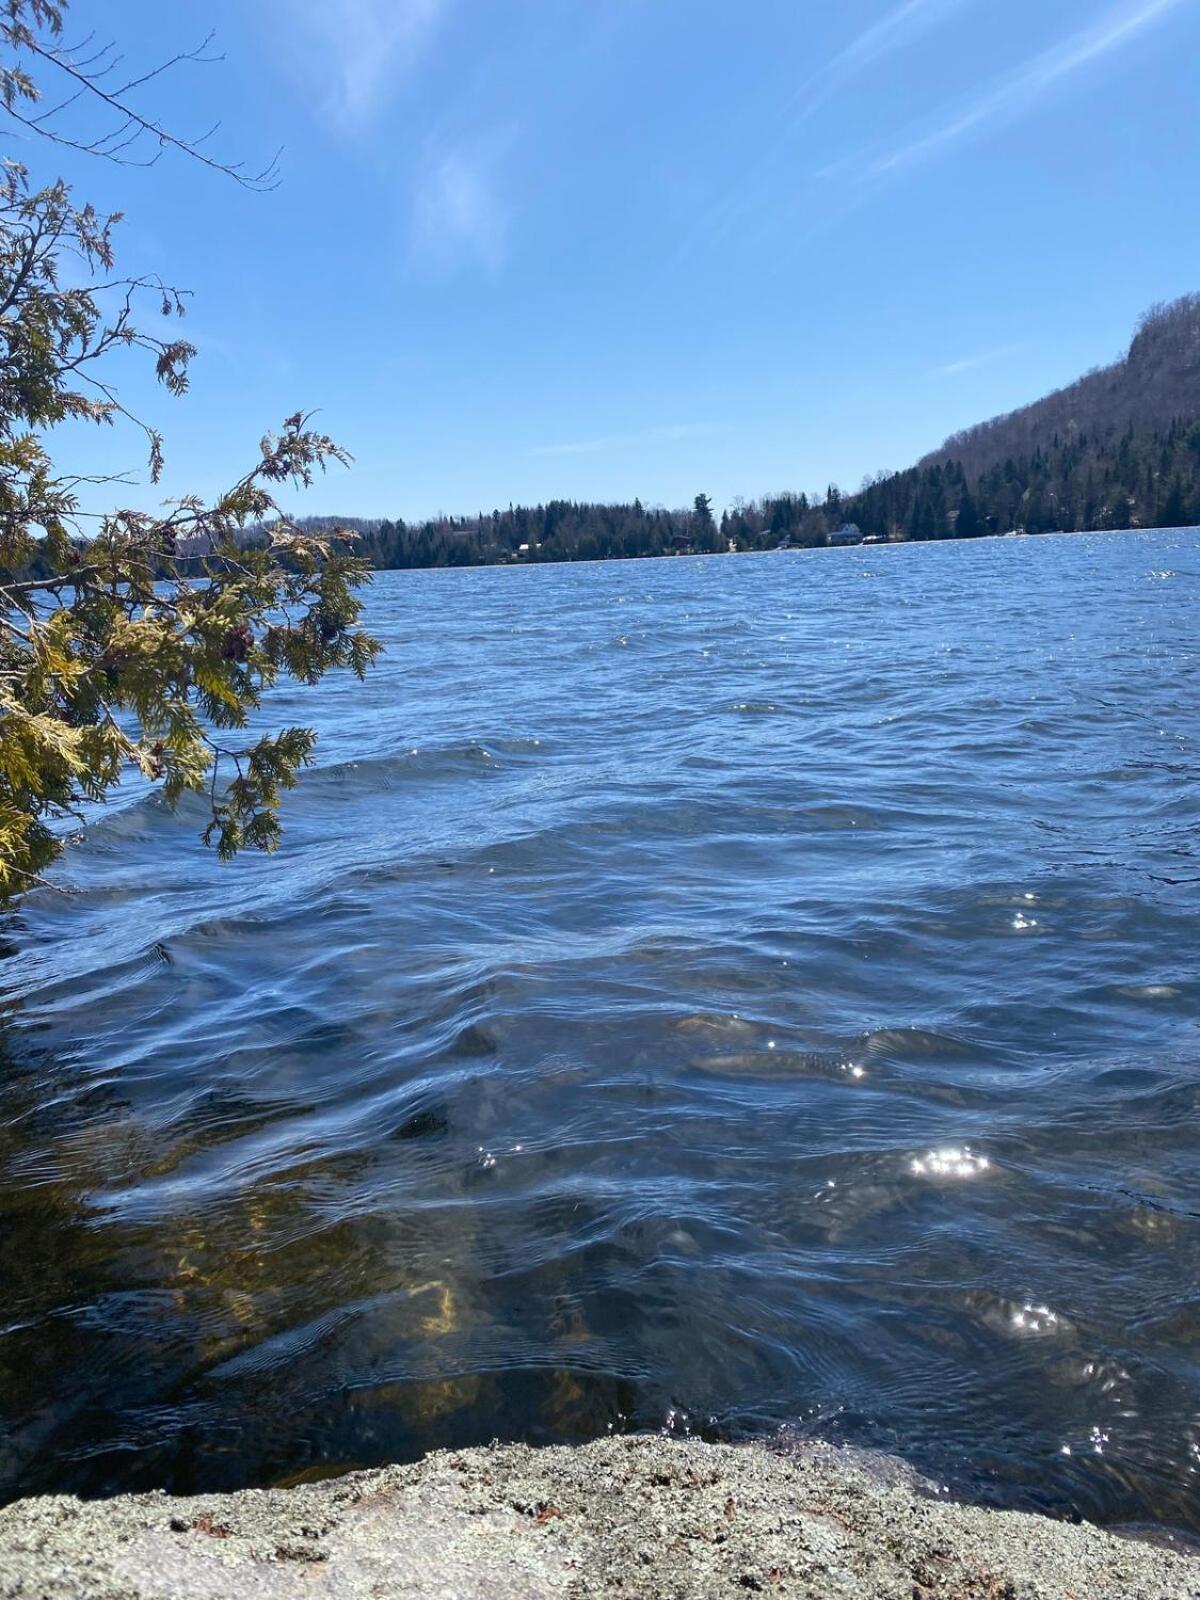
<point x="721" y="994"/>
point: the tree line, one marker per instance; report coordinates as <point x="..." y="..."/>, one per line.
<point x="1120" y="448"/>
<point x="1140" y="480"/>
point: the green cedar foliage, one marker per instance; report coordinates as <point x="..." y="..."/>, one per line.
<point x="149" y="644"/>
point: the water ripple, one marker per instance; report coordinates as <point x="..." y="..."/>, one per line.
<point x="714" y="995"/>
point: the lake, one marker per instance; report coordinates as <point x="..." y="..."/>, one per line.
<point x="725" y="996"/>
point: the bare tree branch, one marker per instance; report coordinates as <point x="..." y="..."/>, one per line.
<point x="118" y="143"/>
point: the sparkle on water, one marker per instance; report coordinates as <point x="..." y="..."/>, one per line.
<point x="726" y="995"/>
<point x="950" y="1163"/>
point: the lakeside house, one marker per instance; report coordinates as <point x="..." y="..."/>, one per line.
<point x="848" y="533"/>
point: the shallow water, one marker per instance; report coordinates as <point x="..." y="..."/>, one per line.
<point x="712" y="995"/>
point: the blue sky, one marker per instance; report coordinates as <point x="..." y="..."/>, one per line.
<point x="607" y="248"/>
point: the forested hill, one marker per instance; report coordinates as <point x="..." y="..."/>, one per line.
<point x="1154" y="385"/>
<point x="1118" y="449"/>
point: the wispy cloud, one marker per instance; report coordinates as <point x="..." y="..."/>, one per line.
<point x="1020" y="90"/>
<point x="896" y="29"/>
<point x="985" y="358"/>
<point x="353" y="52"/>
<point x="461" y="211"/>
<point x="630" y="441"/>
<point x="899" y="27"/>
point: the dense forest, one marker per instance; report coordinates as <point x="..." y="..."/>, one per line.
<point x="1118" y="449"/>
<point x="1074" y="481"/>
<point x="1152" y="387"/>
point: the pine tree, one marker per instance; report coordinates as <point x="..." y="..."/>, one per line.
<point x="968" y="525"/>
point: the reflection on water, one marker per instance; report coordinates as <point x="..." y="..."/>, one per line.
<point x="950" y="1163"/>
<point x="714" y="995"/>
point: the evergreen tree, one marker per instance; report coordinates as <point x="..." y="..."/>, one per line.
<point x="968" y="524"/>
<point x="103" y="665"/>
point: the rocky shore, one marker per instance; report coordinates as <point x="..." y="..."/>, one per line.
<point x="630" y="1517"/>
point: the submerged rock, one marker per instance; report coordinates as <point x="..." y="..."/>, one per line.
<point x="631" y="1517"/>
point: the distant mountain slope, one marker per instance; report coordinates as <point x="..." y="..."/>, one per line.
<point x="1156" y="384"/>
<point x="1118" y="449"/>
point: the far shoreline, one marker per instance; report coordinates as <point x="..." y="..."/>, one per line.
<point x="794" y="550"/>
